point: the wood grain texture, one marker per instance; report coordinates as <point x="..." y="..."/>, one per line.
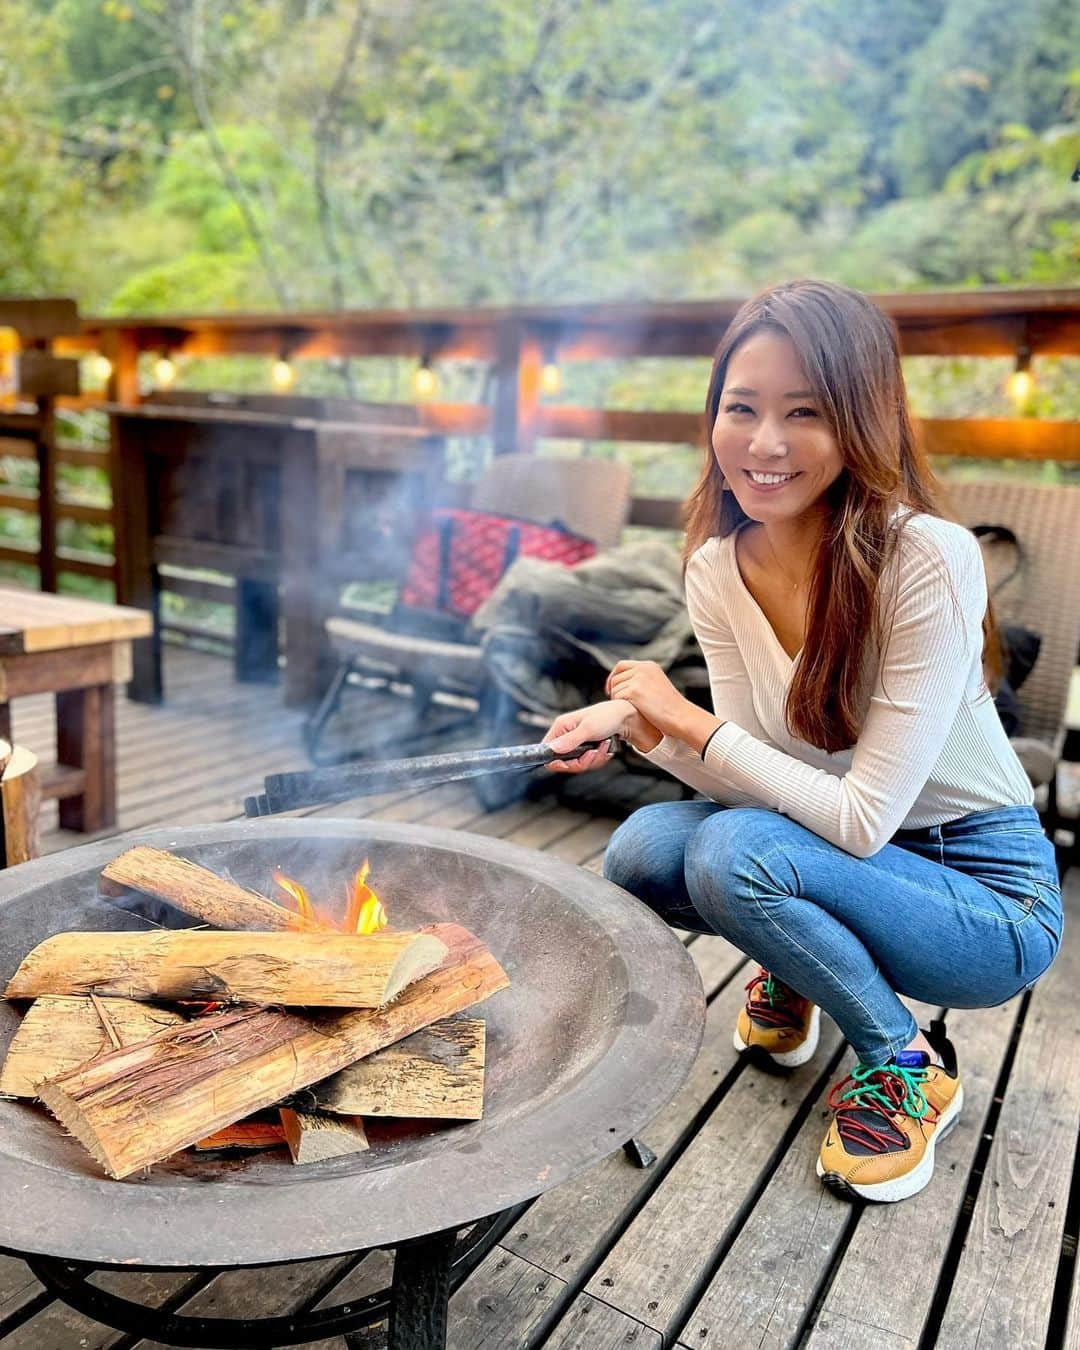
<point x="312" y="1137"/>
<point x="916" y="1237"/>
<point x="589" y="1324"/>
<point x="1003" y="1286"/>
<point x="60" y="1032"/>
<point x="136" y="1106"/>
<point x="196" y="891"/>
<point x="501" y="1306"/>
<point x="651" y="1273"/>
<point x="570" y="1228"/>
<point x="35" y="621"/>
<point x="436" y="1073"/>
<point x="305" y="970"/>
<point x="20" y="804"/>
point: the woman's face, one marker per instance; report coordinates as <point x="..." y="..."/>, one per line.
<point x="771" y="440"/>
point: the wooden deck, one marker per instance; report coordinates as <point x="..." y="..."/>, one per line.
<point x="728" y="1240"/>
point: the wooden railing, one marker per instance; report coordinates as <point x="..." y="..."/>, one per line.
<point x="516" y="343"/>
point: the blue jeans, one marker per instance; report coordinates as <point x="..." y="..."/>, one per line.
<point x="964" y="915"/>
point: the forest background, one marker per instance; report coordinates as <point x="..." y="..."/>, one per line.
<point x="211" y="155"/>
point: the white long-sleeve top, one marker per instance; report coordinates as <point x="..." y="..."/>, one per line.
<point x="932" y="747"/>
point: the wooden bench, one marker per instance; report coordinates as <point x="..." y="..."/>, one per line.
<point x="77" y="650"/>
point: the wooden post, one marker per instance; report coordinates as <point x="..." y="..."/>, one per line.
<point x="518" y="360"/>
<point x="45" y="448"/>
<point x="305" y="638"/>
<point x="137" y="579"/>
<point x="20" y="798"/>
<point x="85" y="739"/>
<point x="121" y="346"/>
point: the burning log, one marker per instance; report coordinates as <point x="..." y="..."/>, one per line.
<point x="294" y="969"/>
<point x="59" y="1033"/>
<point x="438" y="1073"/>
<point x="251" y="1134"/>
<point x="197" y="891"/>
<point x="311" y="1137"/>
<point x="138" y="1105"/>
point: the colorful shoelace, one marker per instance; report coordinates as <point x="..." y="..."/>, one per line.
<point x="773" y="1006"/>
<point x="878" y="1093"/>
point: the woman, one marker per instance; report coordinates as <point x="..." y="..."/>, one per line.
<point x="869" y="830"/>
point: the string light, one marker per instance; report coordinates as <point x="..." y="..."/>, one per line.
<point x="550" y="378"/>
<point x="424" y="382"/>
<point x="1021" y="383"/>
<point x="165" y="371"/>
<point x="101" y="368"/>
<point x="282" y="375"/>
<point x="550" y="374"/>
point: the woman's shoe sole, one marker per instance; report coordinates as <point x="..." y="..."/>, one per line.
<point x="788" y="1059"/>
<point x="900" y="1188"/>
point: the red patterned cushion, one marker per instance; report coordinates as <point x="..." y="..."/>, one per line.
<point x="460" y="555"/>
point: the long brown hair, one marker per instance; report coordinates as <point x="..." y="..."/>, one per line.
<point x="849" y="350"/>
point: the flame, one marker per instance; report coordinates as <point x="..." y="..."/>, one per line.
<point x="365" y="913"/>
<point x="298" y="894"/>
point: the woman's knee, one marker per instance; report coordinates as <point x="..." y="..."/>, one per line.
<point x="627" y="854"/>
<point x="647" y="848"/>
<point x="731" y="857"/>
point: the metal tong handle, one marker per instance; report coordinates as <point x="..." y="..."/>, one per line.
<point x="316" y="787"/>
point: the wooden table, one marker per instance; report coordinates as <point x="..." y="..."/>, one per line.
<point x="78" y="650"/>
<point x="290" y="504"/>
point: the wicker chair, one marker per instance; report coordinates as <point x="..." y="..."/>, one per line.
<point x="591" y="497"/>
<point x="1043" y="596"/>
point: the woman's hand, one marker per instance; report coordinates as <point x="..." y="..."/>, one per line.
<point x="598" y="722"/>
<point x="659" y="706"/>
<point x="645" y="685"/>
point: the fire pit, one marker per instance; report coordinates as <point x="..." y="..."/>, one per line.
<point x="601" y="1023"/>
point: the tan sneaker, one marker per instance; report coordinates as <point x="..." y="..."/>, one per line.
<point x="777" y="1028"/>
<point x="888" y="1122"/>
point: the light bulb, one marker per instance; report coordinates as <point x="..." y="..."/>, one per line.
<point x="282" y="375"/>
<point x="424" y="381"/>
<point x="101" y="368"/>
<point x="164" y="372"/>
<point x="1021" y="385"/>
<point x="550" y="378"/>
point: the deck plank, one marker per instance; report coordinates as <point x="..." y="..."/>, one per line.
<point x="502" y="1306"/>
<point x="591" y="1325"/>
<point x="653" y="1272"/>
<point x="1003" y="1287"/>
<point x="568" y="1228"/>
<point x="728" y="1236"/>
<point x="917" y="1237"/>
<point x="18" y="1287"/>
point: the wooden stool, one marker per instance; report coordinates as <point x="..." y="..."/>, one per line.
<point x="20" y="798"/>
<point x="76" y="650"/>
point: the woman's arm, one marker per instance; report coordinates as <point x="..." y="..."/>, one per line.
<point x="935" y="634"/>
<point x="732" y="698"/>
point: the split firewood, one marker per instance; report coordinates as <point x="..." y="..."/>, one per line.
<point x="59" y="1033"/>
<point x="437" y="1073"/>
<point x="253" y="1134"/>
<point x="197" y="891"/>
<point x="138" y="1105"/>
<point x="312" y="1137"/>
<point x="308" y="970"/>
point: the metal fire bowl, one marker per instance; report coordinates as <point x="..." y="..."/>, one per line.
<point x="599" y="1027"/>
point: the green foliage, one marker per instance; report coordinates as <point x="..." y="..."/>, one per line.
<point x="165" y="154"/>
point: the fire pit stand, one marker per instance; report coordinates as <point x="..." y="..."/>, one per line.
<point x="409" y="1314"/>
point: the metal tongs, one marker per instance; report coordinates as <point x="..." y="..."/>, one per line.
<point x="318" y="787"/>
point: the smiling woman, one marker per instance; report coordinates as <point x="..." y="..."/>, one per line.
<point x="869" y="831"/>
